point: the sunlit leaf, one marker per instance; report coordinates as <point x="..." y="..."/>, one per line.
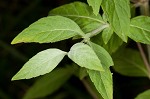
<point x="81" y="13"/>
<point x="49" y="29"/>
<point x="106" y="34"/>
<point x="103" y="55"/>
<point x="95" y="5"/>
<point x="118" y="13"/>
<point x="84" y="56"/>
<point x="102" y="82"/>
<point x="40" y="64"/>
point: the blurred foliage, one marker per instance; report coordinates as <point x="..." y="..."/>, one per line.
<point x="15" y="15"/>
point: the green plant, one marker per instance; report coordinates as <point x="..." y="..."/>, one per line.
<point x="100" y="37"/>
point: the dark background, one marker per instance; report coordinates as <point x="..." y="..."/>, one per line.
<point x="16" y="15"/>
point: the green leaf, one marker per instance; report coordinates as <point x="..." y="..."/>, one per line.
<point x="128" y="62"/>
<point x="81" y="13"/>
<point x="95" y="5"/>
<point x="140" y="29"/>
<point x="118" y="13"/>
<point x="106" y="34"/>
<point x="40" y="64"/>
<point x="102" y="82"/>
<point x="113" y="44"/>
<point x="103" y="55"/>
<point x="84" y="56"/>
<point x="48" y="83"/>
<point x="49" y="29"/>
<point x="144" y="95"/>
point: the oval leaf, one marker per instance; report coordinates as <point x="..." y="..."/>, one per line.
<point x="49" y="29"/>
<point x="118" y="13"/>
<point x="42" y="63"/>
<point x="95" y="5"/>
<point x="84" y="56"/>
<point x="81" y="13"/>
<point x="49" y="83"/>
<point x="140" y="29"/>
<point x="102" y="82"/>
<point x="103" y="55"/>
<point x="144" y="95"/>
<point x="128" y="62"/>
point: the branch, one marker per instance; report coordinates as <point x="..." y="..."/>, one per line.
<point x="144" y="58"/>
<point x="89" y="89"/>
<point x="144" y="7"/>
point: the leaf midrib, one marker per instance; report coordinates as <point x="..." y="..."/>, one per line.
<point x="86" y="17"/>
<point x="136" y="65"/>
<point x="139" y="27"/>
<point x="80" y="33"/>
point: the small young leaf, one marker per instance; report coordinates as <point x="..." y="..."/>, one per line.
<point x="40" y="64"/>
<point x="81" y="13"/>
<point x="49" y="29"/>
<point x="106" y="34"/>
<point x="113" y="44"/>
<point x="103" y="55"/>
<point x="118" y="13"/>
<point x="84" y="56"/>
<point x="129" y="63"/>
<point x="144" y="95"/>
<point x="102" y="82"/>
<point x="95" y="5"/>
<point x="140" y="29"/>
<point x="49" y="83"/>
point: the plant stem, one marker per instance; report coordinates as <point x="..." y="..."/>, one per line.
<point x="94" y="32"/>
<point x="144" y="9"/>
<point x="144" y="58"/>
<point x="97" y="31"/>
<point x="89" y="89"/>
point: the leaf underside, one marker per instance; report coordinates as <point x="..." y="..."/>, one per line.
<point x="40" y="64"/>
<point x="103" y="55"/>
<point x="84" y="56"/>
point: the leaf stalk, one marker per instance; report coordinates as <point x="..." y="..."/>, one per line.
<point x="95" y="32"/>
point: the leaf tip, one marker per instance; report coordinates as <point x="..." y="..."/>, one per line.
<point x="14" y="78"/>
<point x="124" y="38"/>
<point x="14" y="41"/>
